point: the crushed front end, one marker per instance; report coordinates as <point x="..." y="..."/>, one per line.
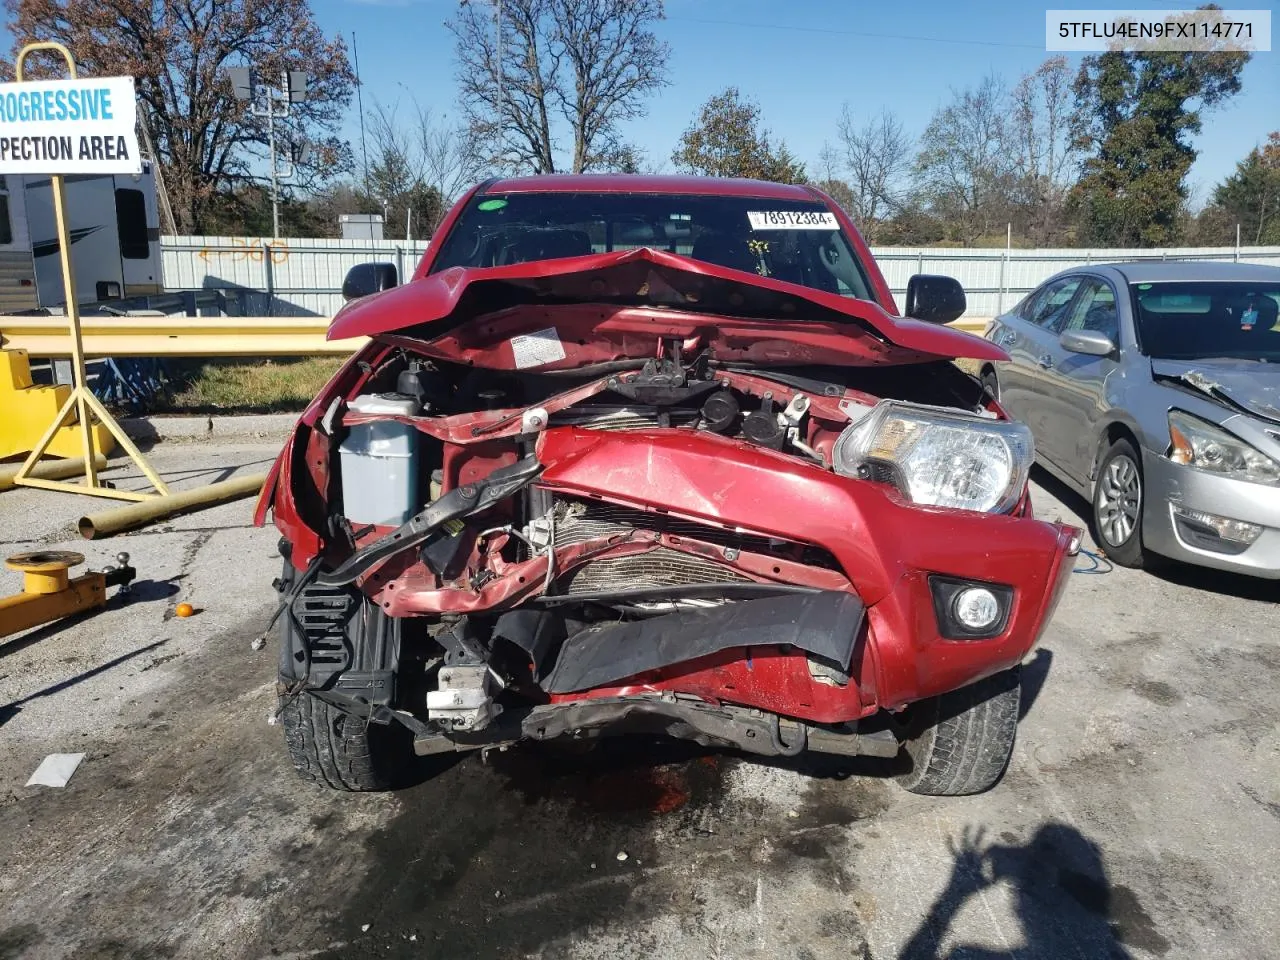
<point x="548" y="514"/>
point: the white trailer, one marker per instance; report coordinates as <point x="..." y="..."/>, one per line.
<point x="115" y="237"/>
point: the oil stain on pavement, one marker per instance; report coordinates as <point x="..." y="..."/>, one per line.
<point x="540" y="847"/>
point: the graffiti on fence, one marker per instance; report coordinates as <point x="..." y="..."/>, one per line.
<point x="243" y="248"/>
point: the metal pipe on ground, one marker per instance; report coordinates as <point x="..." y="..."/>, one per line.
<point x="114" y="521"/>
<point x="51" y="470"/>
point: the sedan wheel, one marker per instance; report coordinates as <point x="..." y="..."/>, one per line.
<point x="1118" y="503"/>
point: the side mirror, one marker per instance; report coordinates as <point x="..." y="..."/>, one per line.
<point x="366" y="278"/>
<point x="1089" y="342"/>
<point x="935" y="299"/>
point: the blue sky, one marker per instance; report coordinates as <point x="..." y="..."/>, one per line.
<point x="801" y="60"/>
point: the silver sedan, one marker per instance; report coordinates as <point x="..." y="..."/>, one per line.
<point x="1153" y="389"/>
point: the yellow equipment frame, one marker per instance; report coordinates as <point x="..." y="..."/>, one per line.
<point x="48" y="592"/>
<point x="81" y="400"/>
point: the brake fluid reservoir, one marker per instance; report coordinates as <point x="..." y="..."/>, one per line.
<point x="380" y="462"/>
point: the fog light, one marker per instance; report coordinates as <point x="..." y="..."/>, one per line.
<point x="976" y="608"/>
<point x="1237" y="531"/>
<point x="970" y="609"/>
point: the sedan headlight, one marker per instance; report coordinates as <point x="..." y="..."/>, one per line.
<point x="938" y="456"/>
<point x="1202" y="446"/>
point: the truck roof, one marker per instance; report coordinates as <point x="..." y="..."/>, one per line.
<point x="644" y="183"/>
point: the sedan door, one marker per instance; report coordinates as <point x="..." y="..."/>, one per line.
<point x="1028" y="337"/>
<point x="1075" y="384"/>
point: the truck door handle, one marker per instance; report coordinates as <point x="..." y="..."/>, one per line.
<point x="1045" y="362"/>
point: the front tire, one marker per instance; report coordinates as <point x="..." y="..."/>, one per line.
<point x="960" y="742"/>
<point x="1119" y="499"/>
<point x="341" y="751"/>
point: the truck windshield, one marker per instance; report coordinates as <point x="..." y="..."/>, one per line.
<point x="1197" y="321"/>
<point x="798" y="242"/>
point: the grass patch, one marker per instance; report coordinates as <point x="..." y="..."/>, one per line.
<point x="262" y="385"/>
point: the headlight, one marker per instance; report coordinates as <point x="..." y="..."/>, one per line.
<point x="1203" y="446"/>
<point x="939" y="457"/>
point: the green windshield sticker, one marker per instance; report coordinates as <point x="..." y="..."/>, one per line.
<point x="1144" y="286"/>
<point x="489" y="205"/>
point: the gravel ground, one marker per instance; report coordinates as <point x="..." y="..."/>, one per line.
<point x="1140" y="816"/>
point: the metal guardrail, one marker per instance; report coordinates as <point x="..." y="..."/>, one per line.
<point x="201" y="336"/>
<point x="176" y="336"/>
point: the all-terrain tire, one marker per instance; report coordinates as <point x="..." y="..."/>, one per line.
<point x="338" y="750"/>
<point x="960" y="742"/>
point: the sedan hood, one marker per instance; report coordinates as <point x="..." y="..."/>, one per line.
<point x="610" y="306"/>
<point x="1248" y="385"/>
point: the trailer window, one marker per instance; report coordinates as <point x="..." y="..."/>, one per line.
<point x="6" y="228"/>
<point x="131" y="218"/>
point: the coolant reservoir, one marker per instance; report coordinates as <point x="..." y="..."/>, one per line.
<point x="380" y="462"/>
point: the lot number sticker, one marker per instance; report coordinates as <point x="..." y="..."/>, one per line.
<point x="792" y="220"/>
<point x="535" y="349"/>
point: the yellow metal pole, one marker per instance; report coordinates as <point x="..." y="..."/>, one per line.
<point x="153" y="508"/>
<point x="69" y="289"/>
<point x="73" y="320"/>
<point x="125" y="441"/>
<point x="49" y="470"/>
<point x="28" y="465"/>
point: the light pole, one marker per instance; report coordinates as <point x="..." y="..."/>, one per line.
<point x="274" y="105"/>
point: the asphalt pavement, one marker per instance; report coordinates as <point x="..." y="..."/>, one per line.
<point x="1140" y="816"/>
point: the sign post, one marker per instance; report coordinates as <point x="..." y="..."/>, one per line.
<point x="59" y="127"/>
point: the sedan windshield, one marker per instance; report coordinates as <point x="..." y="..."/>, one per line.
<point x="799" y="242"/>
<point x="1198" y="321"/>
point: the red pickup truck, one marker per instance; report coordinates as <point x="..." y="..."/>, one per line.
<point x="656" y="454"/>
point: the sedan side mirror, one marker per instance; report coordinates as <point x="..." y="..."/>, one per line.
<point x="366" y="278"/>
<point x="935" y="299"/>
<point x="1089" y="342"/>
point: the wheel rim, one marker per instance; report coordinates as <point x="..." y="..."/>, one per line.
<point x="1119" y="501"/>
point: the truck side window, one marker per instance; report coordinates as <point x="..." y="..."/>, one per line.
<point x="131" y="218"/>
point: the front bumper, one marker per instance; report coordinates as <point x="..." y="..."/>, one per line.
<point x="1169" y="483"/>
<point x="885" y="552"/>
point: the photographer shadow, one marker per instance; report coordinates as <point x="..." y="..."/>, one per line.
<point x="1063" y="900"/>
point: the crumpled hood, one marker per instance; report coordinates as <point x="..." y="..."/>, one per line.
<point x="671" y="293"/>
<point x="1248" y="385"/>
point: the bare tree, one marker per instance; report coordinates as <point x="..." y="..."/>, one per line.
<point x="613" y="61"/>
<point x="1043" y="149"/>
<point x="419" y="166"/>
<point x="964" y="168"/>
<point x="831" y="180"/>
<point x="877" y="156"/>
<point x="450" y="162"/>
<point x="527" y="68"/>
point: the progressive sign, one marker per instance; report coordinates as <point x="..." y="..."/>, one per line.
<point x="69" y="126"/>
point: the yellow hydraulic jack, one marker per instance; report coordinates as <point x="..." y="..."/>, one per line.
<point x="49" y="594"/>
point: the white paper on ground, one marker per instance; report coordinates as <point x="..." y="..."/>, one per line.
<point x="55" y="770"/>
